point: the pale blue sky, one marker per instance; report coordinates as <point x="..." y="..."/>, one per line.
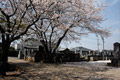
<point x="112" y="21"/>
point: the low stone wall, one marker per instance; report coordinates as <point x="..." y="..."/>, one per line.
<point x="95" y="58"/>
<point x="30" y="59"/>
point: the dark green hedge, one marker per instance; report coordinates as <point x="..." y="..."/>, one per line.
<point x="11" y="53"/>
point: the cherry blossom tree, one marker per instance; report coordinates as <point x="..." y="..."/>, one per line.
<point x="68" y="20"/>
<point x="52" y="20"/>
<point x="16" y="17"/>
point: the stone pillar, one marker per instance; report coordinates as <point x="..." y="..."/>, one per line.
<point x="116" y="55"/>
<point x="19" y="55"/>
<point x="116" y="51"/>
<point x="24" y="54"/>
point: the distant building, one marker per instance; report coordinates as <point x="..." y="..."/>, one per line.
<point x="28" y="44"/>
<point x="30" y="48"/>
<point x="82" y="51"/>
<point x="67" y="55"/>
<point x="27" y="48"/>
<point x="66" y="51"/>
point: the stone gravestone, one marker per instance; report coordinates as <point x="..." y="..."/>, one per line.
<point x="117" y="51"/>
<point x="39" y="55"/>
<point x="116" y="55"/>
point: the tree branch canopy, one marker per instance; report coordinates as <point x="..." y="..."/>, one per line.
<point x="17" y="16"/>
<point x="55" y="20"/>
<point x="65" y="19"/>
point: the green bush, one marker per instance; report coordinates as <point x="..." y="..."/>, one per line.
<point x="12" y="52"/>
<point x="12" y="49"/>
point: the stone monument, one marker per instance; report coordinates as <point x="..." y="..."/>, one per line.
<point x="116" y="51"/>
<point x="116" y="55"/>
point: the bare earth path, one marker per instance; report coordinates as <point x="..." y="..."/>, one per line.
<point x="96" y="70"/>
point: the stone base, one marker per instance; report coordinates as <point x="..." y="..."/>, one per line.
<point x="114" y="62"/>
<point x="119" y="63"/>
<point x="92" y="58"/>
<point x="30" y="59"/>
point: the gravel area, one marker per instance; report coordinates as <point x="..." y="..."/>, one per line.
<point x="97" y="70"/>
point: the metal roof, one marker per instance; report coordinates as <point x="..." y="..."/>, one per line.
<point x="81" y="48"/>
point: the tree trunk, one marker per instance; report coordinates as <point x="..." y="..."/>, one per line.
<point x="48" y="56"/>
<point x="46" y="51"/>
<point x="4" y="60"/>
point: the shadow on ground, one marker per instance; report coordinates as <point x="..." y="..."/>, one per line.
<point x="68" y="71"/>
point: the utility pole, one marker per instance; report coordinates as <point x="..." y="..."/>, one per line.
<point x="103" y="43"/>
<point x="103" y="46"/>
<point x="98" y="44"/>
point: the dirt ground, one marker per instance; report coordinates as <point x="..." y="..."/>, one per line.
<point x="96" y="70"/>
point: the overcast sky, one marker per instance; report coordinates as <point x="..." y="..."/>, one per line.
<point x="112" y="21"/>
